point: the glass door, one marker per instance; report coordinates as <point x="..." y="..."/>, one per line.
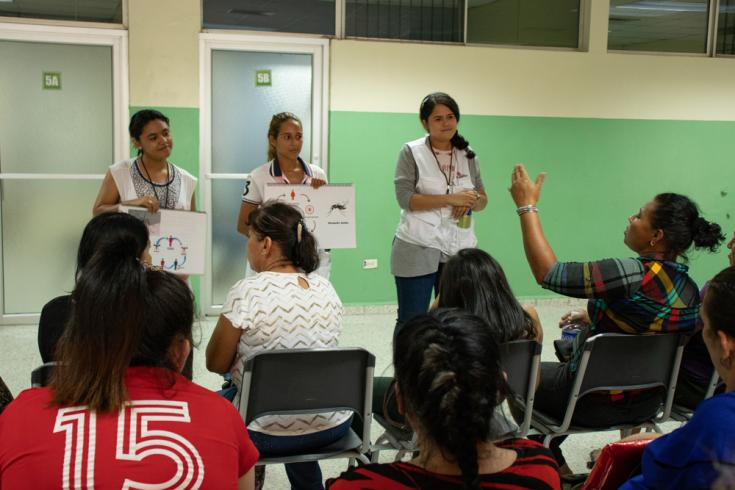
<point x="61" y="125"/>
<point x="245" y="81"/>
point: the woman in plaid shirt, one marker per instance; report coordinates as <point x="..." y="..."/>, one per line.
<point x="651" y="293"/>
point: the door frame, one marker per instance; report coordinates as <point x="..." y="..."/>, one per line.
<point x="210" y="41"/>
<point x="117" y="39"/>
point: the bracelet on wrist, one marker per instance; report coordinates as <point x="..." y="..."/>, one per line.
<point x="530" y="208"/>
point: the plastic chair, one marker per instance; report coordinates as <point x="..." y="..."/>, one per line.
<point x="680" y="413"/>
<point x="298" y="381"/>
<point x="41" y="376"/>
<point x="520" y="360"/>
<point x="620" y="362"/>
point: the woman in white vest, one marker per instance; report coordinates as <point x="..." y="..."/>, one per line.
<point x="149" y="180"/>
<point x="438" y="186"/>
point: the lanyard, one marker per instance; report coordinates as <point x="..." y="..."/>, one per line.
<point x="448" y="178"/>
<point x="150" y="180"/>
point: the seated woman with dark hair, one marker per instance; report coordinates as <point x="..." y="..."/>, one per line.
<point x="284" y="306"/>
<point x="449" y="383"/>
<point x="701" y="454"/>
<point x="117" y="413"/>
<point x="102" y="231"/>
<point x="651" y="293"/>
<point x="475" y="282"/>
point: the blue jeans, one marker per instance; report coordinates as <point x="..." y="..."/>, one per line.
<point x="414" y="295"/>
<point x="303" y="476"/>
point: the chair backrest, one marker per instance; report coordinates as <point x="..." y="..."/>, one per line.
<point x="41" y="376"/>
<point x="714" y="382"/>
<point x="517" y="359"/>
<point x="520" y="360"/>
<point x="628" y="362"/>
<point x="307" y="381"/>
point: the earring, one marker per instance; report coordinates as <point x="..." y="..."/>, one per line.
<point x="652" y="242"/>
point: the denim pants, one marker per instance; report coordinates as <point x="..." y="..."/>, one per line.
<point x="303" y="476"/>
<point x="414" y="295"/>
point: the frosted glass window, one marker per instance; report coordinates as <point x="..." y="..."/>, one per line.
<point x="42" y="222"/>
<point x="242" y="111"/>
<point x="420" y="20"/>
<point x="81" y="10"/>
<point x="229" y="255"/>
<point x="658" y="25"/>
<point x="304" y="16"/>
<point x="65" y="130"/>
<point x="524" y="22"/>
<point x="241" y="114"/>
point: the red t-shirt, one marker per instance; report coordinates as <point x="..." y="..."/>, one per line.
<point x="534" y="467"/>
<point x="167" y="436"/>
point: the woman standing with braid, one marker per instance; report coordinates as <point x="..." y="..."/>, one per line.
<point x="437" y="185"/>
<point x="449" y="381"/>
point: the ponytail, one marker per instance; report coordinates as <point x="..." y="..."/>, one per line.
<point x="305" y="253"/>
<point x="460" y="143"/>
<point x="104" y="328"/>
<point x="122" y="315"/>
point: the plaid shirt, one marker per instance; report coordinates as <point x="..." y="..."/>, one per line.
<point x="643" y="295"/>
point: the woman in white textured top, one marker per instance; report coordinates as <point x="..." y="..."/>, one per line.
<point x="284" y="306"/>
<point x="149" y="180"/>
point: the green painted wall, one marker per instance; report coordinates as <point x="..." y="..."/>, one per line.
<point x="600" y="171"/>
<point x="185" y="130"/>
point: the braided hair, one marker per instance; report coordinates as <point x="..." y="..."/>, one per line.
<point x="450" y="380"/>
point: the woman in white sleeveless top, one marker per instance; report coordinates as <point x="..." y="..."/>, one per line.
<point x="149" y="180"/>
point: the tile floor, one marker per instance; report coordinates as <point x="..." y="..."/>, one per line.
<point x="368" y="327"/>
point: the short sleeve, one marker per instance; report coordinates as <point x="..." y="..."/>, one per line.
<point x="603" y="279"/>
<point x="251" y="192"/>
<point x="406" y="177"/>
<point x="235" y="306"/>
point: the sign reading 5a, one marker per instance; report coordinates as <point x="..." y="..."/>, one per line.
<point x="263" y="78"/>
<point x="51" y="80"/>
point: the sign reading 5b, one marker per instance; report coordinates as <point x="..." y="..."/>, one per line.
<point x="263" y="78"/>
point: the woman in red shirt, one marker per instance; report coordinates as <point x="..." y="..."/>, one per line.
<point x="448" y="384"/>
<point x="117" y="413"/>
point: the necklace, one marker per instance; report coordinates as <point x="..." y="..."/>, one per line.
<point x="150" y="181"/>
<point x="448" y="178"/>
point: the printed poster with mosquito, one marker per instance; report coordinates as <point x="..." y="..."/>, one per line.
<point x="178" y="238"/>
<point x="329" y="212"/>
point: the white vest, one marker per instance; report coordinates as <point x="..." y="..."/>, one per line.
<point x="121" y="175"/>
<point x="435" y="228"/>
